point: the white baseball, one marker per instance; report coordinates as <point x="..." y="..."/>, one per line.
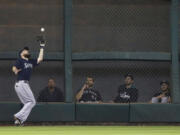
<point x="42" y="29"/>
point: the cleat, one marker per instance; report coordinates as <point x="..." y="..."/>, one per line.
<point x="18" y="122"/>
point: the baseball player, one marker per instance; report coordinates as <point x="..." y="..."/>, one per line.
<point x="23" y="68"/>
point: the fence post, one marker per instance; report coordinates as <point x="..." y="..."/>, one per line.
<point x="174" y="51"/>
<point x="68" y="50"/>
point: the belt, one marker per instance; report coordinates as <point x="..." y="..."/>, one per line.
<point x="24" y="81"/>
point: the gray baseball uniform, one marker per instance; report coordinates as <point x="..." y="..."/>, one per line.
<point x="23" y="89"/>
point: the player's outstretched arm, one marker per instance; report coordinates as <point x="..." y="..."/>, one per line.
<point x="15" y="70"/>
<point x="41" y="53"/>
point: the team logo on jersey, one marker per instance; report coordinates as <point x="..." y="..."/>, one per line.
<point x="124" y="95"/>
<point x="28" y="65"/>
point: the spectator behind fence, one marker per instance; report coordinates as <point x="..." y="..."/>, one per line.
<point x="164" y="95"/>
<point x="88" y="93"/>
<point x="127" y="92"/>
<point x="51" y="93"/>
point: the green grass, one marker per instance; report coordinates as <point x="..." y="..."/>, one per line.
<point x="90" y="130"/>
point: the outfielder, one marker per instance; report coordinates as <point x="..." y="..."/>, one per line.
<point x="23" y="69"/>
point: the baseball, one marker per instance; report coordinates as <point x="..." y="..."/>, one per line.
<point x="42" y="29"/>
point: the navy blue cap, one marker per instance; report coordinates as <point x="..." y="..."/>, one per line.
<point x="129" y="75"/>
<point x="164" y="81"/>
<point x="25" y="48"/>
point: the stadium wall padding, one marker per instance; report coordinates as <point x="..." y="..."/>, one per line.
<point x="70" y="112"/>
<point x="41" y="112"/>
<point x="154" y="113"/>
<point x="102" y="112"/>
<point x="8" y="110"/>
<point x="53" y="112"/>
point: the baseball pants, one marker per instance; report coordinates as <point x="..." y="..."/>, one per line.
<point x="26" y="97"/>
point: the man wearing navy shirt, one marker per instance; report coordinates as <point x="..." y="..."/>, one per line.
<point x="127" y="93"/>
<point x="88" y="94"/>
<point x="23" y="69"/>
<point x="51" y="93"/>
<point x="164" y="96"/>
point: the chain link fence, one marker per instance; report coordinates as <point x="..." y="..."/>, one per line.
<point x="21" y="21"/>
<point x="121" y="25"/>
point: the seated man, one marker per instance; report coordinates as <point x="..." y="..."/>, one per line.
<point x="88" y="93"/>
<point x="127" y="92"/>
<point x="164" y="95"/>
<point x="51" y="93"/>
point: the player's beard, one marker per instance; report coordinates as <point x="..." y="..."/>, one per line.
<point x="27" y="55"/>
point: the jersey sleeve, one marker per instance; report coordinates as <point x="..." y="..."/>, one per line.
<point x="17" y="64"/>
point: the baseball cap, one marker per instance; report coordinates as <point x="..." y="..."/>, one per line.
<point x="129" y="75"/>
<point x="164" y="81"/>
<point x="25" y="48"/>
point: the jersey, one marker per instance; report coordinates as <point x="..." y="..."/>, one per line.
<point x="47" y="96"/>
<point x="126" y="95"/>
<point x="166" y="93"/>
<point x="90" y="95"/>
<point x="26" y="67"/>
